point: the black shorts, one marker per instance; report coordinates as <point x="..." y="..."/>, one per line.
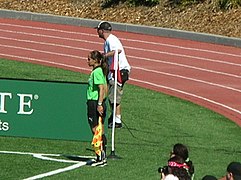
<point x="93" y="114"/>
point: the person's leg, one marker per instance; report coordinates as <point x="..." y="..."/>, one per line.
<point x="119" y="93"/>
<point x="93" y="119"/>
<point x="118" y="122"/>
<point x="118" y="114"/>
<point x="92" y="115"/>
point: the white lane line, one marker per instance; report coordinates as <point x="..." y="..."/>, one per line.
<point x="189" y="94"/>
<point x="134" y="67"/>
<point x="140" y="81"/>
<point x="128" y="47"/>
<point x="47" y="62"/>
<point x="153" y="60"/>
<point x="45" y="43"/>
<point x="186" y="56"/>
<point x="48" y="29"/>
<point x="129" y="56"/>
<point x="186" y="48"/>
<point x="36" y="50"/>
<point x="187" y="78"/>
<point x="125" y="39"/>
<point x="187" y="66"/>
<point x="50" y="36"/>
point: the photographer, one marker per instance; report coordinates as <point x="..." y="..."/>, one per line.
<point x="175" y="169"/>
<point x="182" y="151"/>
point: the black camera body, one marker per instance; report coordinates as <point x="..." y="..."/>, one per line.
<point x="163" y="170"/>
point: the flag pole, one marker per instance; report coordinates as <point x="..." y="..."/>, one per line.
<point x="116" y="62"/>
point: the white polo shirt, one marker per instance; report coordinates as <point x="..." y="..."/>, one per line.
<point x="113" y="43"/>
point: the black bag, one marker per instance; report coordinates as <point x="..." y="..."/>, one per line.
<point x="124" y="75"/>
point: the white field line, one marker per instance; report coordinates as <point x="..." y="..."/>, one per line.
<point x="125" y="39"/>
<point x="145" y="82"/>
<point x="128" y="47"/>
<point x="57" y="171"/>
<point x="42" y="156"/>
<point x="27" y="153"/>
<point x="147" y="59"/>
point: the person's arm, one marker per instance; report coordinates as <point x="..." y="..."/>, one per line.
<point x="111" y="53"/>
<point x="101" y="98"/>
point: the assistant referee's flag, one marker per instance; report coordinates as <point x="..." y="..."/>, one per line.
<point x="97" y="138"/>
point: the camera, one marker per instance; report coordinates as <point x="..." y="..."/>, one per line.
<point x="163" y="170"/>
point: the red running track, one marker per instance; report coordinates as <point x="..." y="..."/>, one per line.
<point x="203" y="73"/>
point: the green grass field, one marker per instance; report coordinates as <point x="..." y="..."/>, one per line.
<point x="156" y="122"/>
